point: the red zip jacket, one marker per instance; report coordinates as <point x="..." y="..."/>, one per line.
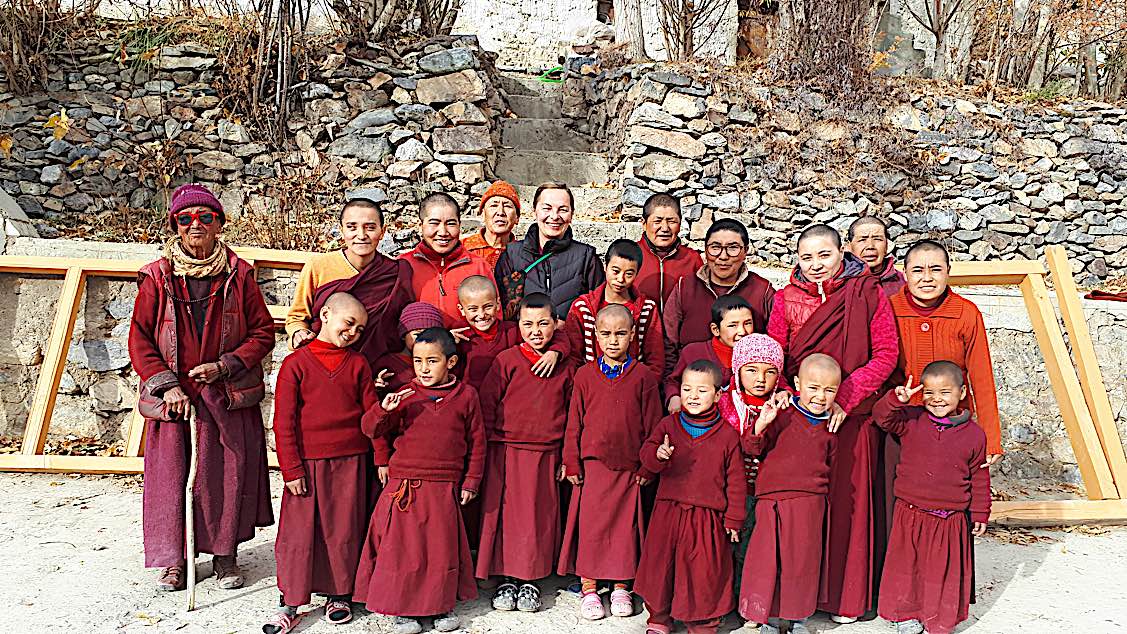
<point x="436" y="282"/>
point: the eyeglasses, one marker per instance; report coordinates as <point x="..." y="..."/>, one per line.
<point x="733" y="250"/>
<point x="185" y="218"/>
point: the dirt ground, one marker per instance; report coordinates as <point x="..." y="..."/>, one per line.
<point x="72" y="563"/>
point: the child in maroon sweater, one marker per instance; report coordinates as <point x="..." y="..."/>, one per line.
<point x="942" y="499"/>
<point x="416" y="560"/>
<point x="782" y="570"/>
<point x="686" y="568"/>
<point x="324" y="457"/>
<point x="525" y="417"/>
<point x="615" y="405"/>
<point x="732" y="320"/>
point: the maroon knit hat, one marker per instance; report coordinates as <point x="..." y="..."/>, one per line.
<point x="417" y="315"/>
<point x="193" y="195"/>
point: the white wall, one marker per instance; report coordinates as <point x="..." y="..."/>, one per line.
<point x="525" y="33"/>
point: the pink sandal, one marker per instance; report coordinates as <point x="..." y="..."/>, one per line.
<point x="281" y="623"/>
<point x="621" y="603"/>
<point x="338" y="611"/>
<point x="591" y="607"/>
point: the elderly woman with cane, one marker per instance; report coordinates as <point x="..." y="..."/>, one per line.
<point x="200" y="331"/>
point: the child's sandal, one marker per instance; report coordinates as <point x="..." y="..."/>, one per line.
<point x="621" y="603"/>
<point x="528" y="598"/>
<point x="281" y="623"/>
<point x="338" y="611"/>
<point x="591" y="607"/>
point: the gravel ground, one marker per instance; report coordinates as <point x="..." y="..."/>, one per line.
<point x="73" y="563"/>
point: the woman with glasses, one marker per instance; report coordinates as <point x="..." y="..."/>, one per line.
<point x="199" y="332"/>
<point x="688" y="311"/>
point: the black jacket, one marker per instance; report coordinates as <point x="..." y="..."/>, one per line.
<point x="572" y="269"/>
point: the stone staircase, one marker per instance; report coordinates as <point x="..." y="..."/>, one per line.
<point x="538" y="146"/>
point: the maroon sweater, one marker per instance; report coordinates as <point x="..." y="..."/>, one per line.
<point x="610" y="419"/>
<point x="701" y="350"/>
<point x="476" y="356"/>
<point x="794" y="456"/>
<point x="439" y="441"/>
<point x="401" y="367"/>
<point x="521" y="408"/>
<point x="707" y="472"/>
<point x="303" y="427"/>
<point x="938" y="470"/>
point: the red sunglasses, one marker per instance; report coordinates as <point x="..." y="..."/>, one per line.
<point x="185" y="218"/>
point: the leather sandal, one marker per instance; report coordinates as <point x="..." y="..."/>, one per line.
<point x="172" y="578"/>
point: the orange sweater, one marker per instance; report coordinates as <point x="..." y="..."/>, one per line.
<point x="954" y="332"/>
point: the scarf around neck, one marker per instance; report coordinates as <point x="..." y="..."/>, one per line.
<point x="613" y="373"/>
<point x="184" y="265"/>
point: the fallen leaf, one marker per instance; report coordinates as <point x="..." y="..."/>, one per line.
<point x="6" y="146"/>
<point x="79" y="161"/>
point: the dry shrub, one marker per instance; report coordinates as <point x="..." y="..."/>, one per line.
<point x="297" y="213"/>
<point x="31" y="31"/>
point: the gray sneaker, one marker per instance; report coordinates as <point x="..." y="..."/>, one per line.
<point x="909" y="627"/>
<point x="405" y="625"/>
<point x="528" y="598"/>
<point x="767" y="628"/>
<point x="799" y="627"/>
<point x="447" y="622"/>
<point x="505" y="598"/>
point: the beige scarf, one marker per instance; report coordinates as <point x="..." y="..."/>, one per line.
<point x="184" y="265"/>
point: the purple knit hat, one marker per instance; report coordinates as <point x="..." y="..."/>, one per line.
<point x="418" y="315"/>
<point x="193" y="195"/>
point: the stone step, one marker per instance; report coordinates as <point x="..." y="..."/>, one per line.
<point x="532" y="167"/>
<point x="536" y="107"/>
<point x="543" y="134"/>
<point x="529" y="85"/>
<point x="590" y="202"/>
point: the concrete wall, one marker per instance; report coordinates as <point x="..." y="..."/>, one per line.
<point x="525" y="33"/>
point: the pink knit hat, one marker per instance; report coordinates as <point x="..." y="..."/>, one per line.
<point x="193" y="195"/>
<point x="418" y="315"/>
<point x="756" y="348"/>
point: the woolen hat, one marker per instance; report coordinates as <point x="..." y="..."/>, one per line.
<point x="418" y="315"/>
<point x="502" y="189"/>
<point x="192" y="195"/>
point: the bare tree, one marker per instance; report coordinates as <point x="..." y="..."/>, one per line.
<point x="628" y="27"/>
<point x="681" y="20"/>
<point x="937" y="17"/>
<point x="828" y="43"/>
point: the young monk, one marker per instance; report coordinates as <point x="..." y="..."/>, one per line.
<point x="732" y="320"/>
<point x="868" y="239"/>
<point x="795" y="446"/>
<point x="623" y="260"/>
<point x="834" y="306"/>
<point x="324" y="459"/>
<point x="929" y="570"/>
<point x="615" y="405"/>
<point x="396" y="369"/>
<point x="757" y="361"/>
<point x="686" y="568"/>
<point x="487" y="336"/>
<point x="525" y="416"/>
<point x="416" y="559"/>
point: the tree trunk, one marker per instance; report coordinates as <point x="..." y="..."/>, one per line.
<point x="1091" y="74"/>
<point x="939" y="69"/>
<point x="386" y="18"/>
<point x="628" y="28"/>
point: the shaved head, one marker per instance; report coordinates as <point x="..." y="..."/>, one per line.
<point x="865" y="221"/>
<point x="344" y="302"/>
<point x="475" y="286"/>
<point x="924" y="246"/>
<point x="820" y="231"/>
<point x="613" y="312"/>
<point x="944" y="369"/>
<point x="820" y="363"/>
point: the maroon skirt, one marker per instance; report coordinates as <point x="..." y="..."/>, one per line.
<point x="416" y="560"/>
<point x="320" y="533"/>
<point x="686" y="565"/>
<point x="232" y="491"/>
<point x="847" y="578"/>
<point x="784" y="559"/>
<point x="605" y="528"/>
<point x="929" y="569"/>
<point x="520" y="502"/>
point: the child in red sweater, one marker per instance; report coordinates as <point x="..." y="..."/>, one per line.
<point x="782" y="569"/>
<point x="525" y="416"/>
<point x="623" y="260"/>
<point x="686" y="568"/>
<point x="324" y="457"/>
<point x="732" y="320"/>
<point x="416" y="560"/>
<point x="757" y="361"/>
<point x="942" y="502"/>
<point x="615" y="405"/>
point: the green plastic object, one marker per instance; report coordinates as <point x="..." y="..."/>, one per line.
<point x="547" y="78"/>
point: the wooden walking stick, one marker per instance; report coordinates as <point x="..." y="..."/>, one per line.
<point x="190" y="512"/>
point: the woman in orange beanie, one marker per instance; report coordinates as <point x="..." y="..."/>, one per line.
<point x="500" y="208"/>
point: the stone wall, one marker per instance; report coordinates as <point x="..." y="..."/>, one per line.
<point x="407" y="123"/>
<point x="994" y="180"/>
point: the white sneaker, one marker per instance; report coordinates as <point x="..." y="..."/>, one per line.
<point x="405" y="625"/>
<point x="843" y="619"/>
<point x="909" y="627"/>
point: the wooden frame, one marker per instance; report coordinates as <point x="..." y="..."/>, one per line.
<point x="1084" y="406"/>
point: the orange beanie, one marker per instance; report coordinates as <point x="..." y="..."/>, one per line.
<point x="502" y="189"/>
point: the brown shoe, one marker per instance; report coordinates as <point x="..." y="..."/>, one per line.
<point x="171" y="578"/>
<point x="227" y="572"/>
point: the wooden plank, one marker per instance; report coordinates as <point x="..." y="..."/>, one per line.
<point x="72" y="464"/>
<point x="1084" y="352"/>
<point x="1094" y="469"/>
<point x="59" y="266"/>
<point x="1000" y="273"/>
<point x="1058" y="512"/>
<point x="51" y="371"/>
<point x="275" y="258"/>
<point x="135" y="438"/>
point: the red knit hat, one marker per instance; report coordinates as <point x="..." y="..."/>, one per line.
<point x="193" y="195"/>
<point x="418" y="315"/>
<point x="502" y="189"/>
